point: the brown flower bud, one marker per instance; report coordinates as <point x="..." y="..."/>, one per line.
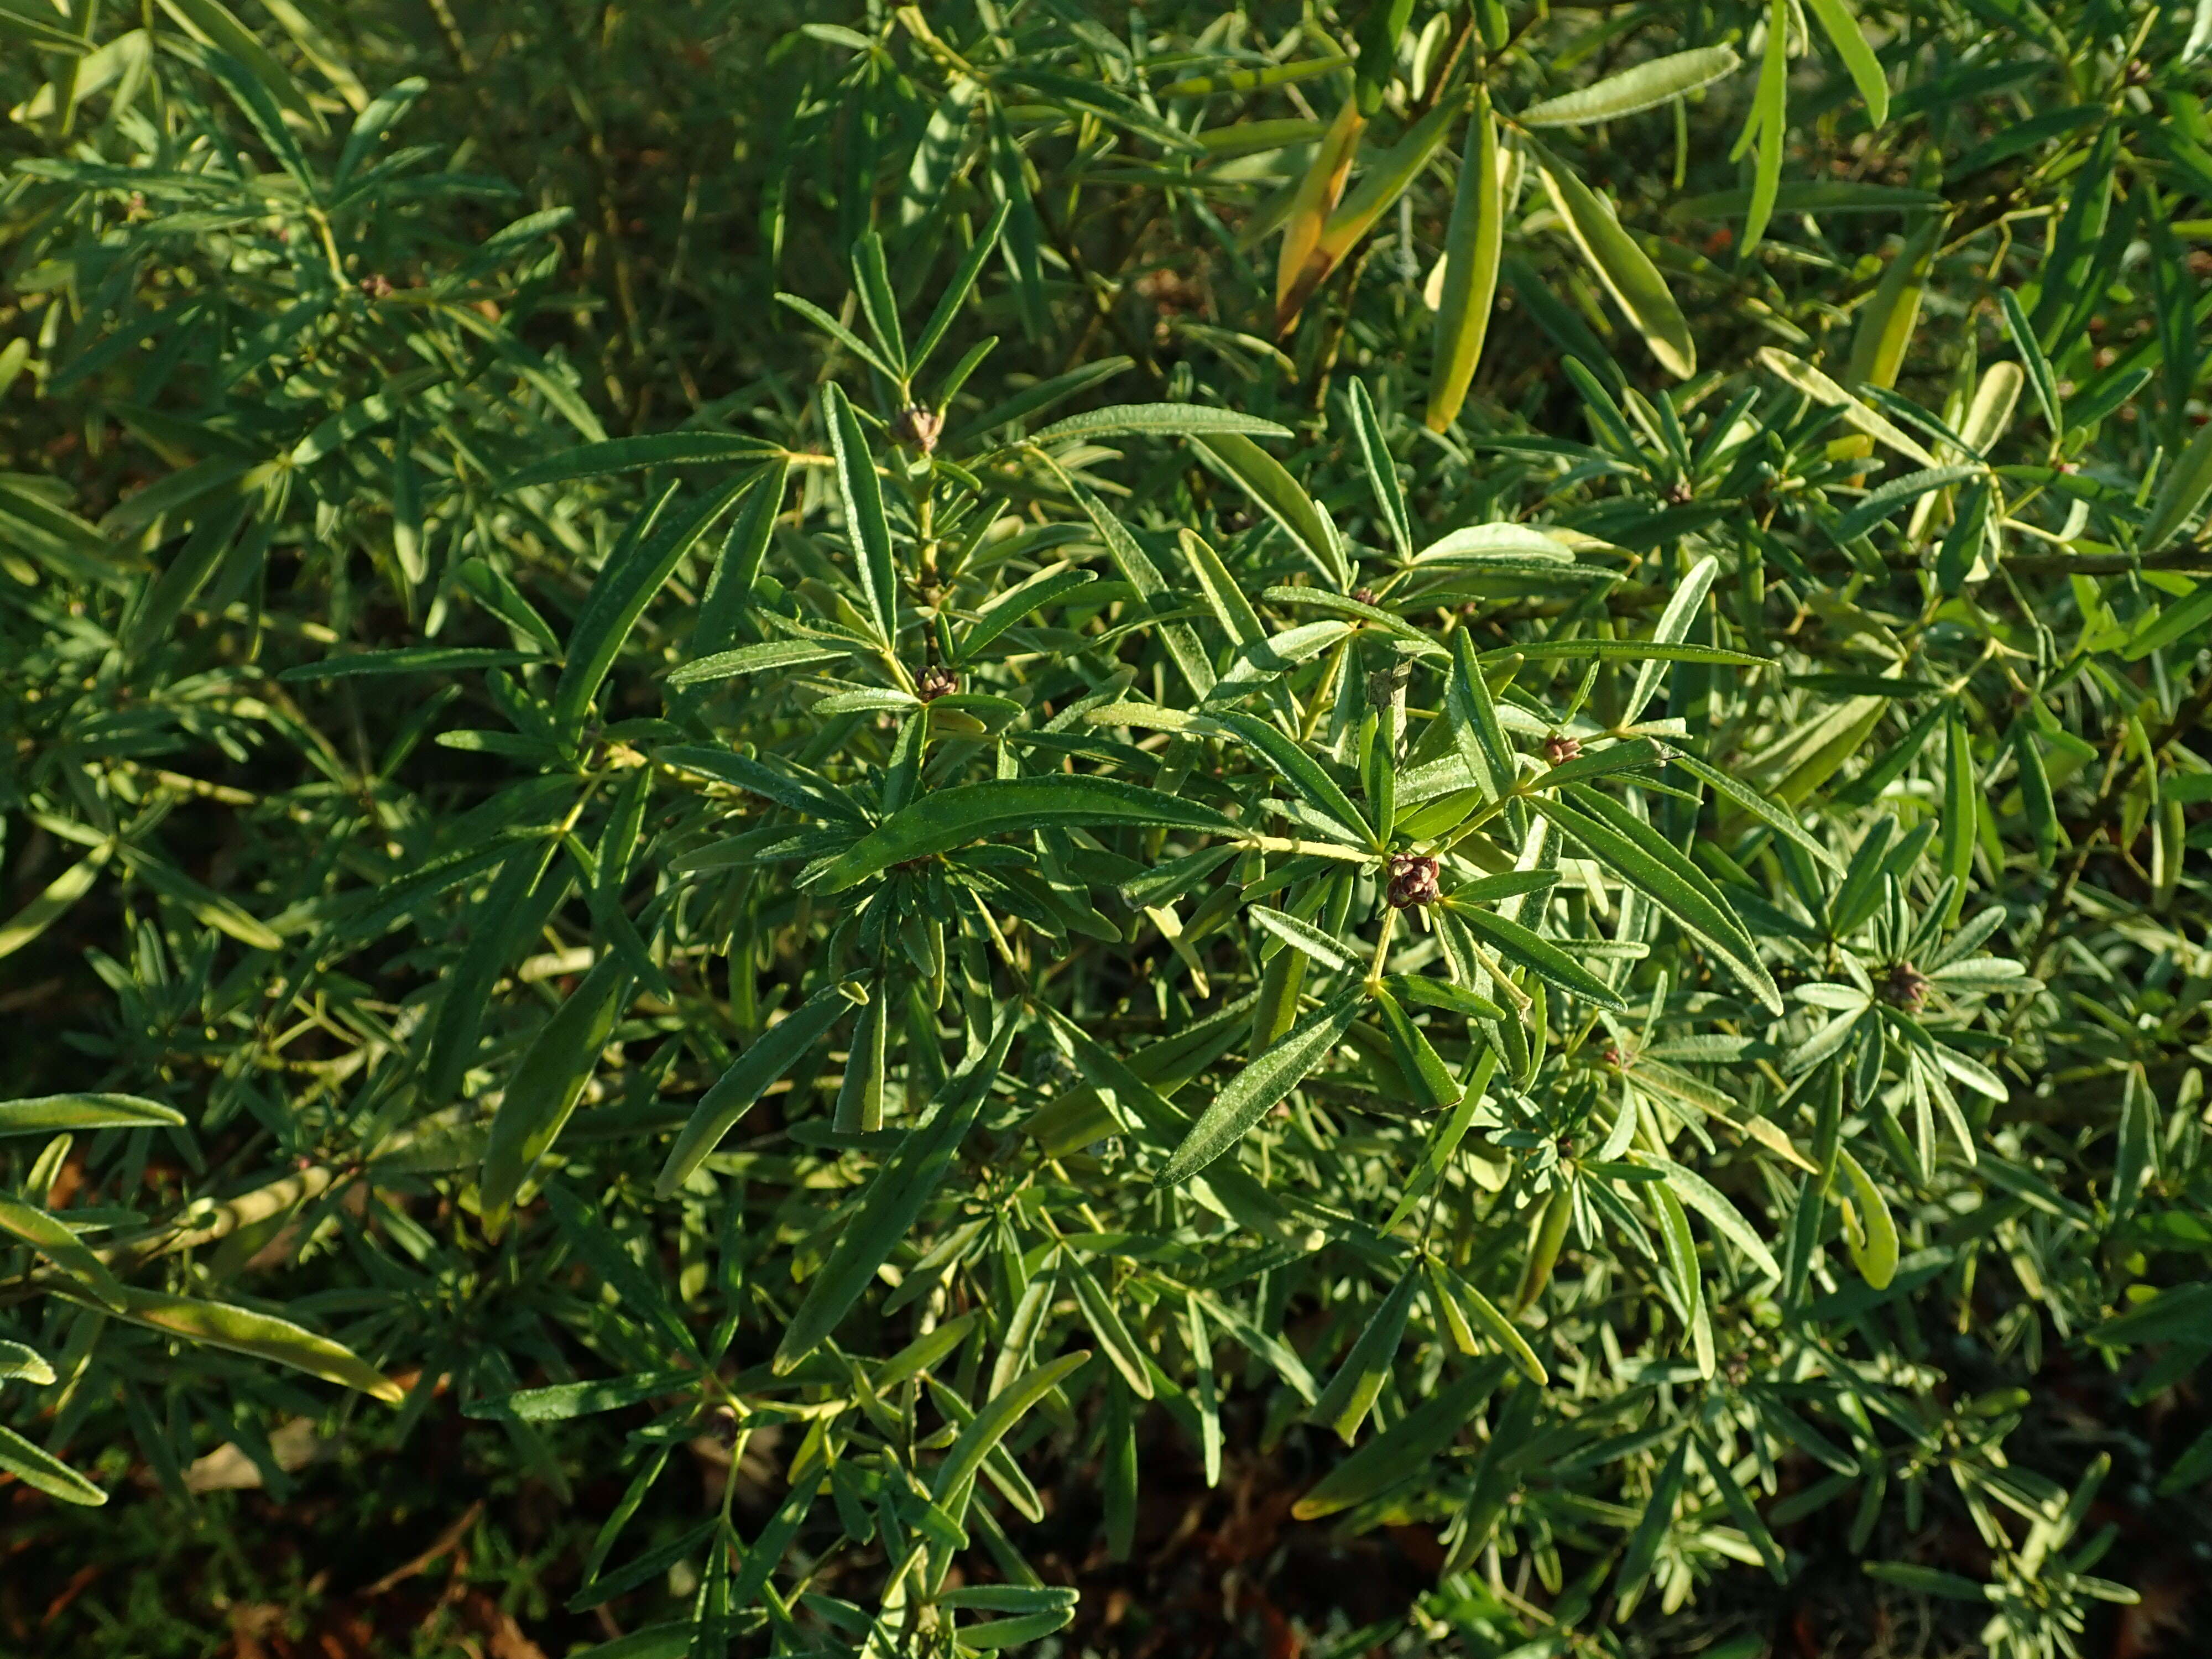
<point x="936" y="682"/>
<point x="1412" y="881"/>
<point x="1560" y="749"/>
<point x="1905" y="987"/>
<point x="918" y="428"/>
<point x="376" y="285"/>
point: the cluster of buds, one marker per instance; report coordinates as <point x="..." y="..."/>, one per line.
<point x="1363" y="595"/>
<point x="376" y="285"/>
<point x="1905" y="987"/>
<point x="918" y="428"/>
<point x="935" y="682"/>
<point x="1560" y="749"/>
<point x="1412" y="881"/>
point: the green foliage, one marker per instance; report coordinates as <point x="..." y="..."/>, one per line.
<point x="1567" y="845"/>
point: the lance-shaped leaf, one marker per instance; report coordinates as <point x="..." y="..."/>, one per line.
<point x="863" y="499"/>
<point x="1624" y="269"/>
<point x="618" y="600"/>
<point x="1003" y="610"/>
<point x="564" y="1400"/>
<point x="1282" y="498"/>
<point x="1317" y="195"/>
<point x="52" y="1238"/>
<point x="1537" y="954"/>
<point x="953" y="818"/>
<point x="246" y="1331"/>
<point x="1475" y="241"/>
<point x="632" y="454"/>
<point x="1158" y="421"/>
<point x="1299" y="768"/>
<point x="1647" y="861"/>
<point x="1120" y="1346"/>
<point x="1804" y="377"/>
<point x="1344" y="1404"/>
<point x="1643" y="1551"/>
<point x="1434" y="1087"/>
<point x="1768" y="126"/>
<point x="1674" y="628"/>
<point x="1851" y="44"/>
<point x="1183" y="646"/>
<point x="1254" y="1091"/>
<point x="1698" y="1194"/>
<point x="734" y="1093"/>
<point x="1384" y="179"/>
<point x="774" y="655"/>
<point x="1646" y="86"/>
<point x="549" y="1081"/>
<point x="1382" y="471"/>
<point x="1006" y="1408"/>
<point x="1471" y="1315"/>
<point x="1870" y="1233"/>
<point x="28" y="1364"/>
<point x="1408" y="1446"/>
<point x="894" y="1200"/>
<point x="1324" y="948"/>
<point x="54" y="1113"/>
<point x="2187" y="483"/>
<point x="36" y="1466"/>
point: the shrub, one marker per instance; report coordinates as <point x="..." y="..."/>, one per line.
<point x="1447" y="753"/>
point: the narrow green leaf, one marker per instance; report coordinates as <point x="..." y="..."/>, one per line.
<point x="1485" y="1316"/>
<point x="1282" y="498"/>
<point x="1121" y="1348"/>
<point x="734" y="1093"/>
<point x="1537" y="954"/>
<point x="865" y="525"/>
<point x="1345" y="1403"/>
<point x="52" y="1238"/>
<point x="1653" y="866"/>
<point x="406" y="660"/>
<point x="1882" y="503"/>
<point x="258" y="1335"/>
<point x="1851" y="44"/>
<point x="963" y="279"/>
<point x="630" y="454"/>
<point x="2188" y="480"/>
<point x="1872" y="1241"/>
<point x="1770" y="116"/>
<point x="1708" y="1200"/>
<point x="1624" y="269"/>
<point x="1434" y="1087"/>
<point x="1323" y="948"/>
<point x="547" y="1082"/>
<point x="49" y="1113"/>
<point x="893" y="1202"/>
<point x="1254" y="1091"/>
<point x="1382" y="471"/>
<point x="1674" y="628"/>
<point x="953" y="818"/>
<point x="564" y="1400"/>
<point x="1643" y="1551"/>
<point x="1299" y="769"/>
<point x="1475" y="242"/>
<point x="1157" y="421"/>
<point x="1408" y="1446"/>
<point x="1645" y="87"/>
<point x="1804" y="377"/>
<point x="619" y="598"/>
<point x="991" y="1423"/>
<point x="39" y="1469"/>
